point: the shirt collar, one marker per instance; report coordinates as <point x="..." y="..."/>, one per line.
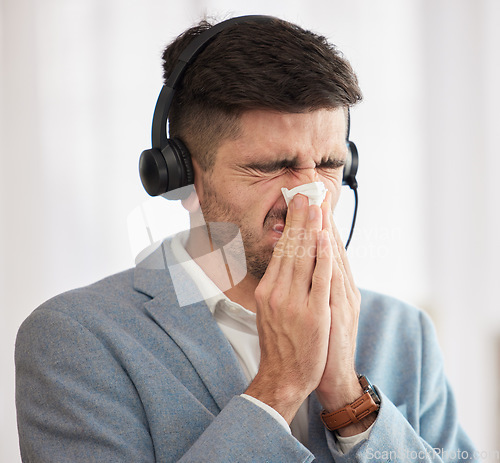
<point x="212" y="295"/>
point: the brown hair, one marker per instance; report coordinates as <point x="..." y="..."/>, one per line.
<point x="272" y="65"/>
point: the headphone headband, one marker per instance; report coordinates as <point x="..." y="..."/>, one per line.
<point x="167" y="166"/>
<point x="195" y="47"/>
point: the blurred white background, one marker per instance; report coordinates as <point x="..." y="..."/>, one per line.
<point x="79" y="80"/>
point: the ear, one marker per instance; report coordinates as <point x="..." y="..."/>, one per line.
<point x="192" y="202"/>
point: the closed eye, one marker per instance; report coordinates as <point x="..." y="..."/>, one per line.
<point x="273" y="167"/>
<point x="331" y="163"/>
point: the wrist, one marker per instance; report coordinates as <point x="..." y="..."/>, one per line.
<point x="356" y="416"/>
<point x="285" y="399"/>
<point x="340" y="395"/>
<point x="357" y="428"/>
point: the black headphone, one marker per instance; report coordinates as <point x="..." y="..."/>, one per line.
<point x="167" y="166"/>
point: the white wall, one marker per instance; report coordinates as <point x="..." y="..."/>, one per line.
<point x="462" y="67"/>
<point x="79" y="81"/>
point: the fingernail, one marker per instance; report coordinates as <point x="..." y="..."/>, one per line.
<point x="312" y="213"/>
<point x="300" y="201"/>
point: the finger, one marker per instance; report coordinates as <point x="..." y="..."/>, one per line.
<point x="329" y="224"/>
<point x="296" y="221"/>
<point x="326" y="208"/>
<point x="274" y="266"/>
<point x="275" y="269"/>
<point x="322" y="275"/>
<point x="306" y="250"/>
<point x="342" y="281"/>
<point x="343" y="254"/>
<point x="296" y="217"/>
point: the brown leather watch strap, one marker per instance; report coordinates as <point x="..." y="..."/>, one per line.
<point x="352" y="413"/>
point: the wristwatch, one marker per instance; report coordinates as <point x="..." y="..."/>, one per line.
<point x="368" y="403"/>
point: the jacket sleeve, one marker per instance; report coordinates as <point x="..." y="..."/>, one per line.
<point x="435" y="436"/>
<point x="76" y="403"/>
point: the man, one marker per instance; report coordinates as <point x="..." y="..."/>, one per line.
<point x="268" y="369"/>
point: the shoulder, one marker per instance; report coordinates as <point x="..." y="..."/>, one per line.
<point x="381" y="309"/>
<point x="114" y="290"/>
<point x="108" y="300"/>
<point x="393" y="328"/>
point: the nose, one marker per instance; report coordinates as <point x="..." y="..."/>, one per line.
<point x="301" y="176"/>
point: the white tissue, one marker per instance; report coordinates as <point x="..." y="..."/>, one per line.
<point x="315" y="191"/>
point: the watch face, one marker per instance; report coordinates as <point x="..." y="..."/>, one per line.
<point x="374" y="395"/>
<point x="368" y="403"/>
<point x="367" y="387"/>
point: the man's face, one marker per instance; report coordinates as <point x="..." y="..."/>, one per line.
<point x="273" y="150"/>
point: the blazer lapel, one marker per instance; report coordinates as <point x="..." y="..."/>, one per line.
<point x="195" y="331"/>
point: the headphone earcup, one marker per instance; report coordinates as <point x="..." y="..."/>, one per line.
<point x="179" y="167"/>
<point x="351" y="166"/>
<point x="166" y="170"/>
<point x="153" y="171"/>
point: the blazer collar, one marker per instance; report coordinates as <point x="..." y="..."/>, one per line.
<point x="151" y="275"/>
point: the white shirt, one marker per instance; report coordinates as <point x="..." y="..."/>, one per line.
<point x="239" y="326"/>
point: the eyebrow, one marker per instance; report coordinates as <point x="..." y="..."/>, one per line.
<point x="279" y="164"/>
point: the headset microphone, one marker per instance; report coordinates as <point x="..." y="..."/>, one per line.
<point x="166" y="167"/>
<point x="349" y="177"/>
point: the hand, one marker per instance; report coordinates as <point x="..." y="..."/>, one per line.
<point x="293" y="312"/>
<point x="339" y="385"/>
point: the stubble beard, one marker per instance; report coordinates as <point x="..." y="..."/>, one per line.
<point x="257" y="256"/>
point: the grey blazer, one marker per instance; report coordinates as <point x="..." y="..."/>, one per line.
<point x="118" y="372"/>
